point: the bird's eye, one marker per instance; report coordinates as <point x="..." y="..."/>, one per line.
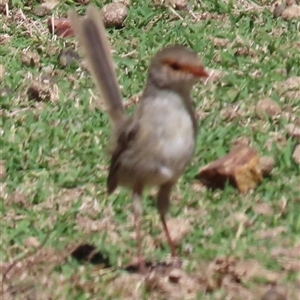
<point x="175" y="66"/>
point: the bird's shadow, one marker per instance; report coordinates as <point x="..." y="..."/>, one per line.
<point x="87" y="253"/>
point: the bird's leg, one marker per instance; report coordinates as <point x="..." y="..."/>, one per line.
<point x="137" y="211"/>
<point x="163" y="200"/>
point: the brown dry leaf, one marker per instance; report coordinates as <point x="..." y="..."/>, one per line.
<point x="175" y="275"/>
<point x="273" y="294"/>
<point x="41" y="11"/>
<point x="32" y="242"/>
<point x="125" y="2"/>
<point x="127" y="285"/>
<point x="3" y="5"/>
<point x="227" y="272"/>
<point x="291" y="2"/>
<point x="256" y="74"/>
<point x="43" y="91"/>
<point x="267" y="107"/>
<point x="241" y="141"/>
<point x="292" y="83"/>
<point x="292" y="253"/>
<point x="218" y="270"/>
<point x="172" y="284"/>
<point x="270" y="233"/>
<point x="278" y="9"/>
<point x="198" y="186"/>
<point x="82" y="1"/>
<point x="220" y="42"/>
<point x="240" y="167"/>
<point x="2" y="72"/>
<point x="262" y="208"/>
<point x="33" y="262"/>
<point x="88" y="225"/>
<point x="245" y="51"/>
<point x="267" y="164"/>
<point x="2" y="169"/>
<point x="17" y="198"/>
<point x="290" y="264"/>
<point x="5" y="39"/>
<point x="292" y="95"/>
<point x="282" y="206"/>
<point x="31" y="58"/>
<point x="132" y="101"/>
<point x="61" y="27"/>
<point x="177" y="4"/>
<point x="214" y="76"/>
<point x="67" y="56"/>
<point x="230" y="112"/>
<point x="277" y="139"/>
<point x="199" y="16"/>
<point x="296" y="154"/>
<point x="49" y="4"/>
<point x="239" y="218"/>
<point x="291" y="12"/>
<point x="69" y="195"/>
<point x="289" y="259"/>
<point x="252" y="269"/>
<point x="32" y="277"/>
<point x="179" y="228"/>
<point x="61" y="202"/>
<point x="293" y="131"/>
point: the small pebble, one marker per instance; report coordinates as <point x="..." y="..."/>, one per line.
<point x="41" y="11"/>
<point x="296" y="154"/>
<point x="267" y="107"/>
<point x="175" y="275"/>
<point x="67" y="57"/>
<point x="267" y="164"/>
<point x="114" y="14"/>
<point x="2" y="72"/>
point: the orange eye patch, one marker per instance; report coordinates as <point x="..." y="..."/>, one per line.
<point x="195" y="70"/>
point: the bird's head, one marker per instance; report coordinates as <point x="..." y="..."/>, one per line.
<point x="176" y="67"/>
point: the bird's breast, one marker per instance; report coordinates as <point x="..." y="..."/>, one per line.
<point x="163" y="145"/>
<point x="169" y="128"/>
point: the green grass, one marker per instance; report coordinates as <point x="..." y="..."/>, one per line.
<point x="55" y="153"/>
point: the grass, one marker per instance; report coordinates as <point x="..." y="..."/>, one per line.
<point x="55" y="158"/>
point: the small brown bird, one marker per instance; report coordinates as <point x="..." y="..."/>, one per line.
<point x="154" y="145"/>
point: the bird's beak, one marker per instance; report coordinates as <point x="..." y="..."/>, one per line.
<point x="198" y="71"/>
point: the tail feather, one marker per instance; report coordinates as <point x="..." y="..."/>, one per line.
<point x="93" y="40"/>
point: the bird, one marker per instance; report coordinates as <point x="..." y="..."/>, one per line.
<point x="154" y="145"/>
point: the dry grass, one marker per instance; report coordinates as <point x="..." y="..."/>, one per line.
<point x="53" y="160"/>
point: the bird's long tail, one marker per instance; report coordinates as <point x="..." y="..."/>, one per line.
<point x="92" y="38"/>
